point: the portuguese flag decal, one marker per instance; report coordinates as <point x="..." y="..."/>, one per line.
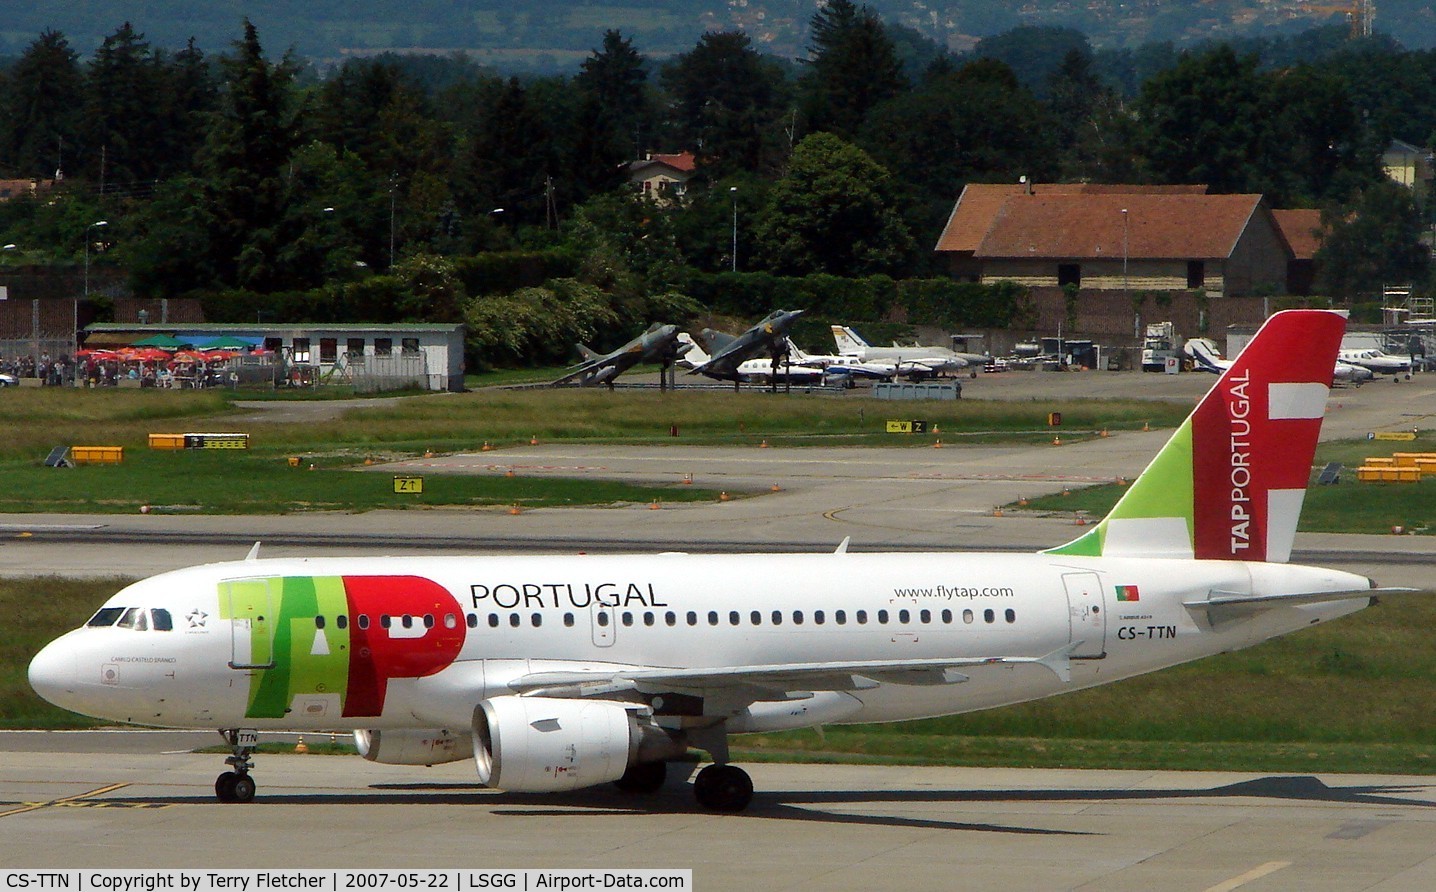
<point x="1127" y="593"/>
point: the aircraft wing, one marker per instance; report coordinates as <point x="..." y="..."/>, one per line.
<point x="1225" y="606"/>
<point x="764" y="681"/>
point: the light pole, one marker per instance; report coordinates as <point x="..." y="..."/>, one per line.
<point x="733" y="191"/>
<point x="1126" y="291"/>
<point x="75" y="304"/>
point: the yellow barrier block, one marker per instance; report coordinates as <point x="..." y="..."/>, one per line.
<point x="1427" y="466"/>
<point x="1368" y="475"/>
<point x="97" y="455"/>
<point x="166" y="441"/>
<point x="1409" y="459"/>
<point x="1380" y="463"/>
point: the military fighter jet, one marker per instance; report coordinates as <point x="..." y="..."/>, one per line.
<point x="658" y="344"/>
<point x="767" y="338"/>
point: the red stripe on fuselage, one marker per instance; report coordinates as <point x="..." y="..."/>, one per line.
<point x="377" y="654"/>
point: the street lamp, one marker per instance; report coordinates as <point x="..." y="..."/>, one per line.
<point x="75" y="304"/>
<point x="93" y="225"/>
<point x="733" y="191"/>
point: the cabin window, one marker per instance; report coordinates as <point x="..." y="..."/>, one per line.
<point x="862" y="617"/>
<point x="627" y="618"/>
<point x="341" y="621"/>
<point x="925" y="616"/>
<point x="450" y="621"/>
<point x="797" y="617"/>
<point x="818" y="617"/>
<point x="883" y="617"/>
<point x="671" y="618"/>
<point x="536" y="619"/>
<point x="318" y="622"/>
<point x="128" y="620"/>
<point x="1010" y="615"/>
<point x="840" y="617"/>
<point x="514" y="620"/>
<point x="160" y="620"/>
<point x="568" y="620"/>
<point x="407" y="621"/>
<point x="385" y="621"/>
<point x="648" y="617"/>
<point x="603" y="618"/>
<point x="777" y="617"/>
<point x="733" y="618"/>
<point x="493" y="620"/>
<point x="429" y="621"/>
<point x="363" y="620"/>
<point x="105" y="616"/>
<point x="756" y="618"/>
<point x="904" y="616"/>
<point x="692" y="618"/>
<point x="472" y="620"/>
<point x="988" y="616"/>
<point x="947" y="616"/>
<point x="712" y="617"/>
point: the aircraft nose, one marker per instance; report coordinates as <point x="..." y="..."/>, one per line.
<point x="52" y="673"/>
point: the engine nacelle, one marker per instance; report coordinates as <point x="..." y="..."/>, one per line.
<point x="544" y="745"/>
<point x="405" y="747"/>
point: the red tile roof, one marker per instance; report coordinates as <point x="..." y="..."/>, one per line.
<point x="1301" y="229"/>
<point x="1157" y="226"/>
<point x="980" y="203"/>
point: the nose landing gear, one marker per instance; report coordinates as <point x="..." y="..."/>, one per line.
<point x="237" y="785"/>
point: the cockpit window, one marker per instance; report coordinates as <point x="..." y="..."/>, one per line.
<point x="128" y="620"/>
<point x="160" y="620"/>
<point x="105" y="616"/>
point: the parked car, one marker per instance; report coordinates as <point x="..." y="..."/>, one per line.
<point x="9" y="380"/>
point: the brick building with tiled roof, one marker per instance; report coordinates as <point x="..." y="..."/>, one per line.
<point x="1118" y="237"/>
<point x="662" y="177"/>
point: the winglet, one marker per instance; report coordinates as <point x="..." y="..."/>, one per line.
<point x="253" y="553"/>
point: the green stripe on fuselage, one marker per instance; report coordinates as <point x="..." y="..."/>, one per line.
<point x="307" y="660"/>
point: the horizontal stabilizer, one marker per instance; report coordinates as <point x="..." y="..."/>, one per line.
<point x="1224" y="606"/>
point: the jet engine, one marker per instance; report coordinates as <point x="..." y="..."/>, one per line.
<point x="545" y="745"/>
<point x="430" y="746"/>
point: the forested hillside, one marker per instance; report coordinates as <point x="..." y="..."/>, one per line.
<point x="555" y="34"/>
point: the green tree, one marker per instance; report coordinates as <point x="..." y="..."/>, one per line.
<point x="832" y="213"/>
<point x="613" y="82"/>
<point x="190" y="95"/>
<point x="1205" y="121"/>
<point x="1372" y="242"/>
<point x="852" y="67"/>
<point x="124" y="119"/>
<point x="726" y="101"/>
<point x="508" y="161"/>
<point x="43" y="97"/>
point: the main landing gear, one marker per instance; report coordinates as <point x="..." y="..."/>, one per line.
<point x="237" y="785"/>
<point x="725" y="788"/>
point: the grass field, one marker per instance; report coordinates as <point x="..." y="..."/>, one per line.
<point x="261" y="480"/>
<point x="1354" y="695"/>
<point x="1347" y="507"/>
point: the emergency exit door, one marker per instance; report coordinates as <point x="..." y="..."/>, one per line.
<point x="1086" y="614"/>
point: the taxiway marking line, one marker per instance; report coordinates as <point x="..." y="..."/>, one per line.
<point x="33" y="806"/>
<point x="1255" y="873"/>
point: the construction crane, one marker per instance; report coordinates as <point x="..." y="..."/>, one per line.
<point x="1359" y="14"/>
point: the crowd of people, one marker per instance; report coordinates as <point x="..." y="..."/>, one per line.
<point x="107" y="368"/>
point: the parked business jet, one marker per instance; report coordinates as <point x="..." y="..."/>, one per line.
<point x="939" y="359"/>
<point x="1378" y="362"/>
<point x="557" y="673"/>
<point x="755" y="371"/>
<point x="1206" y="357"/>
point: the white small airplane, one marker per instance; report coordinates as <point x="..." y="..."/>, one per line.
<point x="756" y="371"/>
<point x="1378" y="362"/>
<point x="938" y="359"/>
<point x="1206" y="357"/>
<point x="558" y="673"/>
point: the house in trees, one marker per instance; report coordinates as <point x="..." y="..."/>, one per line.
<point x="1411" y="166"/>
<point x="662" y="178"/>
<point x="1117" y="238"/>
<point x="1302" y="231"/>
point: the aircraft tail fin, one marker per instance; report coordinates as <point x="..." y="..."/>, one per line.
<point x="694" y="355"/>
<point x="848" y="340"/>
<point x="715" y="340"/>
<point x="1230" y="482"/>
<point x="1205" y="356"/>
<point x="587" y="354"/>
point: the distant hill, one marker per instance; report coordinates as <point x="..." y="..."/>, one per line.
<point x="556" y="34"/>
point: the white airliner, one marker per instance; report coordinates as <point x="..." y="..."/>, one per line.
<point x="557" y="673"/>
